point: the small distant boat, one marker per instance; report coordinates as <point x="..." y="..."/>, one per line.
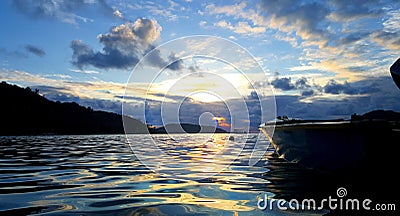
<point x="330" y="144"/>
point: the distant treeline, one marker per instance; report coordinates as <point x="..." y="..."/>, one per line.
<point x="24" y="112"/>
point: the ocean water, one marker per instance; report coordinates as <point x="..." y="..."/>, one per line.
<point x="199" y="174"/>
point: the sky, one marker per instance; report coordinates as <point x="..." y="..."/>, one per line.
<point x="236" y="62"/>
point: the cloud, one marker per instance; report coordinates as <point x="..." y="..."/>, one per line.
<point x="28" y="49"/>
<point x="302" y="83"/>
<point x="382" y="94"/>
<point x="170" y="11"/>
<point x="155" y="59"/>
<point x="123" y="47"/>
<point x="390" y="40"/>
<point x="283" y="84"/>
<point x="59" y="76"/>
<point x="64" y="11"/>
<point x="35" y="50"/>
<point x="307" y="93"/>
<point x="250" y="22"/>
<point x="202" y="23"/>
<point x="361" y="87"/>
<point x="237" y="11"/>
<point x="177" y="64"/>
<point x="392" y="23"/>
<point x="305" y="19"/>
<point x="241" y="27"/>
<point x="350" y="10"/>
<point x="14" y="53"/>
<point x="332" y="87"/>
<point x="84" y="71"/>
<point x="339" y="37"/>
<point x="286" y="83"/>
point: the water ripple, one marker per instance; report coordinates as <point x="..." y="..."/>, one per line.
<point x="100" y="175"/>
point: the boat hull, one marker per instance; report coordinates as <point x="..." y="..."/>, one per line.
<point x="395" y="72"/>
<point x="329" y="145"/>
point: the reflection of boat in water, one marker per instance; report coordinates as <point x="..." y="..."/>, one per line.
<point x="337" y="144"/>
<point x="333" y="144"/>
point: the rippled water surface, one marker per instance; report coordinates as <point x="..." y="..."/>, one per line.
<point x="57" y="175"/>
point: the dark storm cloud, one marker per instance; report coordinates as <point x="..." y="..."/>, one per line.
<point x="307" y="93"/>
<point x="63" y="11"/>
<point x="123" y="47"/>
<point x="35" y="50"/>
<point x="302" y="83"/>
<point x="83" y="55"/>
<point x="333" y="87"/>
<point x="286" y="84"/>
<point x="155" y="59"/>
<point x="177" y="64"/>
<point x="360" y="87"/>
<point x="283" y="83"/>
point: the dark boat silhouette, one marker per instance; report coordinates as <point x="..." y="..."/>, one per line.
<point x="395" y="72"/>
<point x="336" y="144"/>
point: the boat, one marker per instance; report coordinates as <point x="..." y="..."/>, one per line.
<point x="330" y="144"/>
<point x="337" y="144"/>
<point x="395" y="72"/>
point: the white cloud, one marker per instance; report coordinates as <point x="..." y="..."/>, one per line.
<point x="239" y="11"/>
<point x="61" y="76"/>
<point x="241" y="27"/>
<point x="392" y="24"/>
<point x="202" y="23"/>
<point x="232" y="37"/>
<point x="84" y="71"/>
<point x="118" y="14"/>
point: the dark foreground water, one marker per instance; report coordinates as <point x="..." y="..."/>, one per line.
<point x="89" y="175"/>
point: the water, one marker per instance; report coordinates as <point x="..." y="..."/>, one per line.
<point x="99" y="174"/>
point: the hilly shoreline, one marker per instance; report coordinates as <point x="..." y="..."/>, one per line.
<point x="25" y="112"/>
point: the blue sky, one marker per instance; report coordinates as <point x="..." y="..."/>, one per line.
<point x="322" y="59"/>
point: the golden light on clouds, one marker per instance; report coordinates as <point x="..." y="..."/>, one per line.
<point x="221" y="121"/>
